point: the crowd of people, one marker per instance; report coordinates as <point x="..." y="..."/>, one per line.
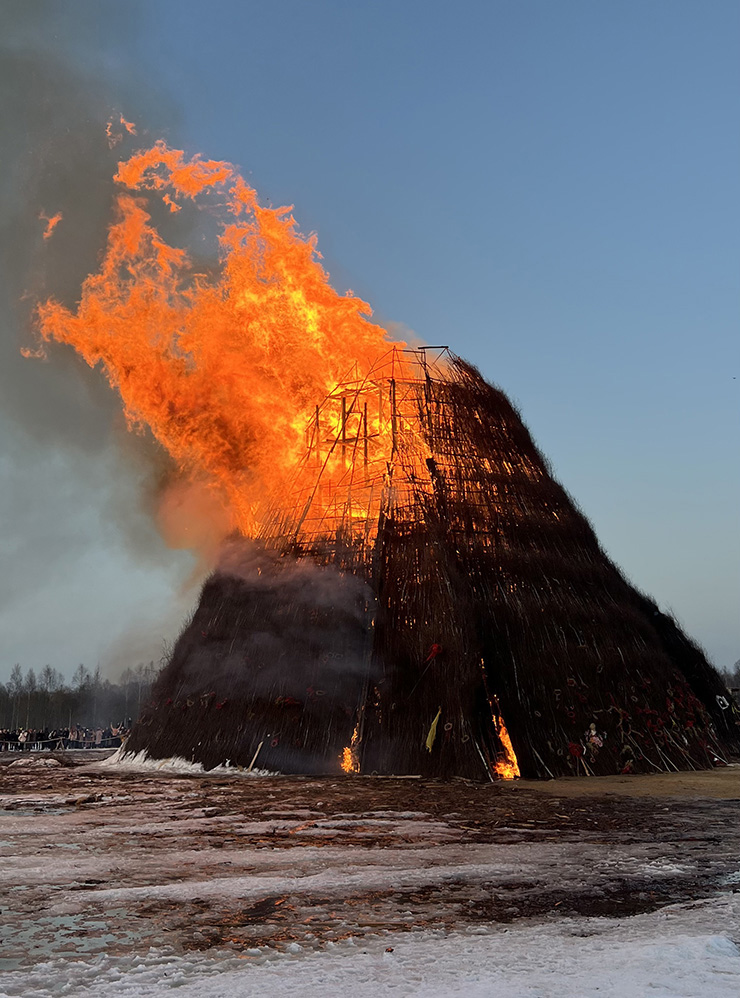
<point x="76" y="737"/>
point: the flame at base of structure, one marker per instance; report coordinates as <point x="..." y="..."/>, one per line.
<point x="349" y="759"/>
<point x="507" y="767"/>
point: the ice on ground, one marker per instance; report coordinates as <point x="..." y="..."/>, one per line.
<point x="34" y="762"/>
<point x="676" y="953"/>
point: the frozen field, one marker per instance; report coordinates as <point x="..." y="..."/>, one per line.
<point x="132" y="882"/>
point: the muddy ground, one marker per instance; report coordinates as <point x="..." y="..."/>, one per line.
<point x="94" y="858"/>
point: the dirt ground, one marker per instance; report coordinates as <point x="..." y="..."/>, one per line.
<point x="722" y="783"/>
<point x="98" y="857"/>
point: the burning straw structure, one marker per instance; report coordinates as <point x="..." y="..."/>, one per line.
<point x="423" y="579"/>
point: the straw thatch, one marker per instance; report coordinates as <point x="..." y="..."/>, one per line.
<point x="480" y="596"/>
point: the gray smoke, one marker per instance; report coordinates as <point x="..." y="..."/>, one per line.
<point x="271" y="626"/>
<point x="65" y="71"/>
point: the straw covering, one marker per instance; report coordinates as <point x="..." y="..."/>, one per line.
<point x="453" y="616"/>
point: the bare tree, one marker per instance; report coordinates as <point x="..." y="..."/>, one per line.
<point x="15" y="688"/>
<point x="30" y="686"/>
<point x="81" y="677"/>
<point x="47" y="679"/>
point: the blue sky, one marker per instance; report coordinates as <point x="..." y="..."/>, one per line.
<point x="550" y="188"/>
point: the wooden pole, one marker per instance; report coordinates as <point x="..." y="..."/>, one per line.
<point x="364" y="430"/>
<point x="393" y="416"/>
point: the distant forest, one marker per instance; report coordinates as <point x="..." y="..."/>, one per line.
<point x="48" y="700"/>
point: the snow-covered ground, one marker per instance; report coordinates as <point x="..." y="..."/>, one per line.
<point x="130" y="883"/>
<point x="683" y="951"/>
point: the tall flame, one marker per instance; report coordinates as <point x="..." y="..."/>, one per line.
<point x="507" y="767"/>
<point x="226" y="370"/>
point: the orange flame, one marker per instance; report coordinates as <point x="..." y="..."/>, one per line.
<point x="229" y="371"/>
<point x="114" y="137"/>
<point x="507" y="767"/>
<point x="51" y="223"/>
<point x="350" y="759"/>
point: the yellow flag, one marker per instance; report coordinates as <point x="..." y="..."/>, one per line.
<point x="433" y="731"/>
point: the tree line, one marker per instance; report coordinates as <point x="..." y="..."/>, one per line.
<point x="732" y="676"/>
<point x="48" y="700"/>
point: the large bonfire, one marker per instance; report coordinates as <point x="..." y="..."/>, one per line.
<point x="400" y="572"/>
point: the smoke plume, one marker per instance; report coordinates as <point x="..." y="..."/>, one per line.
<point x="63" y="448"/>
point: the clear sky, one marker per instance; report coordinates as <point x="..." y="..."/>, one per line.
<point x="550" y="188"/>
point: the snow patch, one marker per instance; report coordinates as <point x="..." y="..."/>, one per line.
<point x="140" y="762"/>
<point x="34" y="762"/>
